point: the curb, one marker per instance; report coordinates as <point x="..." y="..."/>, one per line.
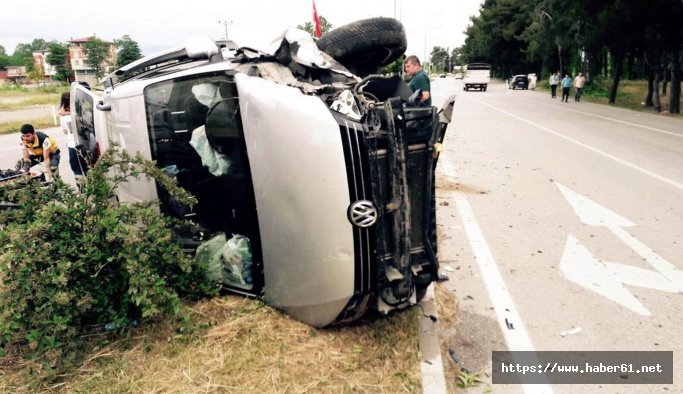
<point x="431" y="364"/>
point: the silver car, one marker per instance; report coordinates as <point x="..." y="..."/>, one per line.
<point x="328" y="175"/>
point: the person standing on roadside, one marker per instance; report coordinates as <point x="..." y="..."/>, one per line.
<point x="419" y="79"/>
<point x="566" y="85"/>
<point x="78" y="167"/>
<point x="579" y="81"/>
<point x="38" y="147"/>
<point x="554" y="81"/>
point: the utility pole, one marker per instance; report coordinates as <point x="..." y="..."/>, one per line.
<point x="226" y="23"/>
<point x="427" y="30"/>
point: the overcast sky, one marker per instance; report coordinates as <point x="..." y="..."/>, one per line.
<point x="164" y="24"/>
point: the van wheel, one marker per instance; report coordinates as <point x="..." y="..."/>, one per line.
<point x="366" y="45"/>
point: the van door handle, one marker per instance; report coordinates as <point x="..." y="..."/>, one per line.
<point x="102" y="106"/>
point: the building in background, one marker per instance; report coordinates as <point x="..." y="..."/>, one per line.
<point x="17" y="75"/>
<point x="40" y="60"/>
<point x="83" y="72"/>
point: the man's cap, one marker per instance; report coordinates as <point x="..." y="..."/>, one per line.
<point x="27" y="128"/>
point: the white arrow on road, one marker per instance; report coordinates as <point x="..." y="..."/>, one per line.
<point x="608" y="279"/>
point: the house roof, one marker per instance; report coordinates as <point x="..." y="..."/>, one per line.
<point x="85" y="39"/>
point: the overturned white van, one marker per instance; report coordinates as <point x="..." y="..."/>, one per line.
<point x="326" y="168"/>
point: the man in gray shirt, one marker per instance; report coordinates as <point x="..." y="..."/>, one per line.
<point x="554" y="81"/>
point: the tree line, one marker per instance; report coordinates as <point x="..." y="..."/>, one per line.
<point x="604" y="39"/>
<point x="95" y="49"/>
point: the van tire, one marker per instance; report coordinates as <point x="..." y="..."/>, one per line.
<point x="366" y="45"/>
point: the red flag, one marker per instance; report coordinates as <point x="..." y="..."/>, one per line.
<point x="316" y="20"/>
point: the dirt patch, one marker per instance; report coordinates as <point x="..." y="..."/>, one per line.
<point x="466" y="347"/>
<point x="445" y="184"/>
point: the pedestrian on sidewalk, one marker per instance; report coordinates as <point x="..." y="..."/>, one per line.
<point x="554" y="81"/>
<point x="566" y="85"/>
<point x="579" y="81"/>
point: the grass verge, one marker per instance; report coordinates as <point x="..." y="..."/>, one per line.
<point x="234" y="344"/>
<point x="25" y="101"/>
<point x="17" y="90"/>
<point x="447" y="309"/>
<point x="630" y="94"/>
<point x="13" y="127"/>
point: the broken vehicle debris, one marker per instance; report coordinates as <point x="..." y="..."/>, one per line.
<point x="328" y="174"/>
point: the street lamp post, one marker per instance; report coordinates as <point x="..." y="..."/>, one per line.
<point x="424" y="59"/>
<point x="225" y="23"/>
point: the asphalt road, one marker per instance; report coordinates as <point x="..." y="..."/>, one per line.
<point x="560" y="229"/>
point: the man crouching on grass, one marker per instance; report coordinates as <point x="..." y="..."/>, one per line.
<point x="38" y="147"/>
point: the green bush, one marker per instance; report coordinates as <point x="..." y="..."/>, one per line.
<point x="73" y="263"/>
<point x="596" y="90"/>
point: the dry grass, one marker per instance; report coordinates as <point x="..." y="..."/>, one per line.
<point x="241" y="345"/>
<point x="18" y="98"/>
<point x="447" y="308"/>
<point x="19" y="102"/>
<point x="13" y="127"/>
<point x="630" y="94"/>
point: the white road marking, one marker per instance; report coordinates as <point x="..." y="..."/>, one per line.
<point x="590" y="212"/>
<point x="592" y="149"/>
<point x="667" y="269"/>
<point x="608" y="279"/>
<point x="509" y="320"/>
<point x="594" y="214"/>
<point x="517" y="337"/>
<point x="613" y="119"/>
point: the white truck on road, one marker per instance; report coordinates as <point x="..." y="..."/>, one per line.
<point x="477" y="76"/>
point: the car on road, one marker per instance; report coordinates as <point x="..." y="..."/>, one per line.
<point x="519" y="82"/>
<point x="325" y="167"/>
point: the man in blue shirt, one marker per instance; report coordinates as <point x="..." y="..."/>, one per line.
<point x="419" y="79"/>
<point x="566" y="84"/>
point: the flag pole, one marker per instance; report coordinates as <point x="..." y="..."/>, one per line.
<point x="316" y="22"/>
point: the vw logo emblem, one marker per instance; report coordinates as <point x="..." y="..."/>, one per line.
<point x="362" y="213"/>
